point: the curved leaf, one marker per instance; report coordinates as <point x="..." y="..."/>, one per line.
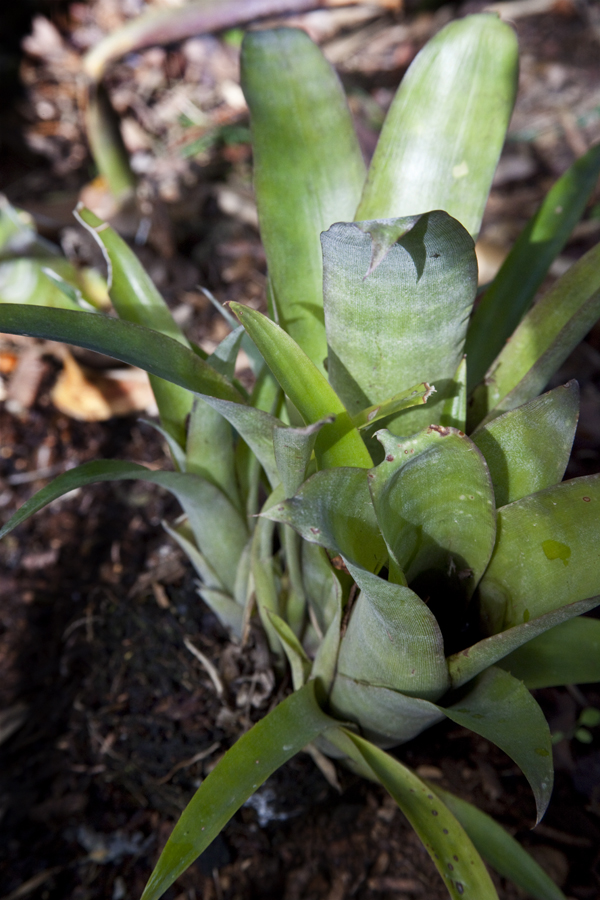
<point x="451" y="850"/>
<point x="501" y="709"/>
<point x="209" y="449"/>
<point x="454" y="410"/>
<point x="542" y="342"/>
<point x="470" y="662"/>
<point x="434" y="503"/>
<point x="443" y="134"/>
<point x="527" y="449"/>
<point x="417" y="275"/>
<point x="217" y="526"/>
<point x="568" y="654"/>
<point x="308" y="170"/>
<point x="282" y="733"/>
<point x="393" y="640"/>
<point x="547" y="554"/>
<point x="133" y="344"/>
<point x="510" y="294"/>
<point x="414" y="396"/>
<point x="500" y="849"/>
<point x="333" y="508"/>
<point x="293" y="448"/>
<point x="338" y="444"/>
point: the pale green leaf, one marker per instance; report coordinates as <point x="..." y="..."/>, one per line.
<point x="454" y="410"/>
<point x="568" y="654"/>
<point x="293" y="448"/>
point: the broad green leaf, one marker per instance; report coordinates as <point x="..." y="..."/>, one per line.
<point x="547" y="554"/>
<point x="470" y="662"/>
<point x="542" y="342"/>
<point x="136" y="299"/>
<point x="263" y="573"/>
<point x="333" y="508"/>
<point x="228" y="612"/>
<point x="29" y="281"/>
<point x="501" y="709"/>
<point x="434" y="503"/>
<point x="451" y="850"/>
<point x="297" y="658"/>
<point x="209" y="449"/>
<point x="454" y="410"/>
<point x="256" y="427"/>
<point x="500" y="849"/>
<point x="308" y="170"/>
<point x="393" y="640"/>
<point x="338" y="444"/>
<point x="443" y="134"/>
<point x="132" y="344"/>
<point x="420" y="393"/>
<point x="295" y="605"/>
<point x="283" y="732"/>
<point x="219" y="529"/>
<point x="393" y="290"/>
<point x="386" y="717"/>
<point x="527" y="449"/>
<point x="184" y="536"/>
<point x="510" y="295"/>
<point x="568" y="654"/>
<point x="293" y="448"/>
<point x="325" y="661"/>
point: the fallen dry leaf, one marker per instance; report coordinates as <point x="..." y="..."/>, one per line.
<point x="91" y="397"/>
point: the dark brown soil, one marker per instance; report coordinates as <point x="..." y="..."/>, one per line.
<point x="118" y="720"/>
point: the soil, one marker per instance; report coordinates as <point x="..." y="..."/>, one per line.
<point x="107" y="721"/>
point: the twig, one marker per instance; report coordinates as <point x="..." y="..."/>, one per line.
<point x="207" y="666"/>
<point x="186" y="763"/>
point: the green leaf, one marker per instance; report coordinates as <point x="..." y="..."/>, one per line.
<point x="454" y="410"/>
<point x="218" y="528"/>
<point x="417" y="275"/>
<point x="547" y="554"/>
<point x="501" y="709"/>
<point x="209" y="449"/>
<point x="500" y="849"/>
<point x="224" y="356"/>
<point x="542" y="342"/>
<point x="325" y="662"/>
<point x="282" y="733"/>
<point x="263" y="573"/>
<point x="451" y="850"/>
<point x="443" y="134"/>
<point x="30" y="281"/>
<point x="568" y="654"/>
<point x="435" y="506"/>
<point x="323" y="589"/>
<point x="297" y="658"/>
<point x="527" y="449"/>
<point x="333" y="508"/>
<point x="136" y="299"/>
<point x="470" y="662"/>
<point x="393" y="640"/>
<point x="338" y="444"/>
<point x="293" y="448"/>
<point x="510" y="295"/>
<point x="132" y="344"/>
<point x="308" y="170"/>
<point x="414" y="396"/>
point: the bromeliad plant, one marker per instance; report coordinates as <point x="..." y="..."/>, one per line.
<point x="407" y="572"/>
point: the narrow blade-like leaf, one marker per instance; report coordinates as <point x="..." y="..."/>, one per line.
<point x="547" y="554"/>
<point x="568" y="654"/>
<point x="510" y="295"/>
<point x="308" y="170"/>
<point x="283" y="732"/>
<point x="501" y="709"/>
<point x="454" y="410"/>
<point x="527" y="449"/>
<point x="414" y="396"/>
<point x="542" y="342"/>
<point x="451" y="850"/>
<point x="209" y="449"/>
<point x="444" y="132"/>
<point x="393" y="290"/>
<point x="500" y="849"/>
<point x="338" y="444"/>
<point x="133" y="344"/>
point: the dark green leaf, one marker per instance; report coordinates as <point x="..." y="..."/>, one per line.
<point x="568" y="654"/>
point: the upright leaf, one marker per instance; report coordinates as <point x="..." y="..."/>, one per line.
<point x="393" y="290"/>
<point x="308" y="170"/>
<point x="209" y="449"/>
<point x="444" y="132"/>
<point x="510" y="295"/>
<point x="283" y="732"/>
<point x="542" y="342"/>
<point x="527" y="449"/>
<point x="547" y="554"/>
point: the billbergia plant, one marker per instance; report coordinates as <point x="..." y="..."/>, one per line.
<point x="388" y="500"/>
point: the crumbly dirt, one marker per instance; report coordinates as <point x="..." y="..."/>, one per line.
<point x="107" y="721"/>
